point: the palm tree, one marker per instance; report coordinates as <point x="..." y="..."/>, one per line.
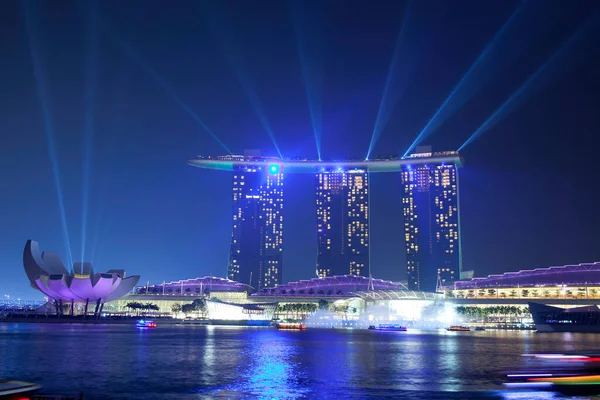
<point x="176" y="308"/>
<point x="524" y="293"/>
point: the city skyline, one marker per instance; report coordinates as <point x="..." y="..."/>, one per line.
<point x="99" y="113"/>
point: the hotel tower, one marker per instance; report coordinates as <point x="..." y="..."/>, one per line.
<point x="256" y="254"/>
<point x="342" y="196"/>
<point x="431" y="221"/>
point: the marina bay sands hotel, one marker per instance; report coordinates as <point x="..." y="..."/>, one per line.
<point x="430" y="204"/>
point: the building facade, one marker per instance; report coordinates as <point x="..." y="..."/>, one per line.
<point x="256" y="255"/>
<point x="431" y="223"/>
<point x="342" y="197"/>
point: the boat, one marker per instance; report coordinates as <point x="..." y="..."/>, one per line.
<point x="291" y="325"/>
<point x="555" y="319"/>
<point x="388" y="327"/>
<point x="479" y="328"/>
<point x="458" y="328"/>
<point x="17" y="389"/>
<point x="145" y="323"/>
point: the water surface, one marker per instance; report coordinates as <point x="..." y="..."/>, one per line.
<point x="196" y="362"/>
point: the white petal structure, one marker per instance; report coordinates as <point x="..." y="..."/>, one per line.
<point x="47" y="273"/>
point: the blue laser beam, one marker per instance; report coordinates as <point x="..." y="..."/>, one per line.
<point x="128" y="48"/>
<point x="519" y="95"/>
<point x="223" y="33"/>
<point x="461" y="93"/>
<point x="387" y="103"/>
<point x="311" y="68"/>
<point x="88" y="131"/>
<point x="27" y="6"/>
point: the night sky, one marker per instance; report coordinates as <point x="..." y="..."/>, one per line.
<point x="136" y="77"/>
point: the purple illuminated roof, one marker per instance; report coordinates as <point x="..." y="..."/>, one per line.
<point x="331" y="286"/>
<point x="201" y="285"/>
<point x="554" y="276"/>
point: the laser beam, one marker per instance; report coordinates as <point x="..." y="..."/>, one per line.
<point x="387" y="103"/>
<point x="519" y="95"/>
<point x="311" y="67"/>
<point x="27" y="6"/>
<point x="129" y="50"/>
<point x="461" y="93"/>
<point x="88" y="131"/>
<point x="223" y="33"/>
<point x="112" y="134"/>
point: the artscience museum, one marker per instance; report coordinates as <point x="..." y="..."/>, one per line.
<point x="81" y="286"/>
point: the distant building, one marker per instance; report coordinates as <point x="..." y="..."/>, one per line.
<point x="342" y="221"/>
<point x="431" y="220"/>
<point x="256" y="255"/>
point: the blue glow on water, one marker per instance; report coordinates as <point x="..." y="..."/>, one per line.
<point x="187" y="362"/>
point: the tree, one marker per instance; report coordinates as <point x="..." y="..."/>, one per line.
<point x="594" y="292"/>
<point x="134" y="305"/>
<point x="491" y="292"/>
<point x="535" y="293"/>
<point x="198" y="305"/>
<point x="524" y="292"/>
<point x="176" y="308"/>
<point x="323" y="304"/>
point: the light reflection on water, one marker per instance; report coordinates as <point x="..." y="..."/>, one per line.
<point x="187" y="362"/>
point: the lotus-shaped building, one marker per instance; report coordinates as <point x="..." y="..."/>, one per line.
<point x="47" y="273"/>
